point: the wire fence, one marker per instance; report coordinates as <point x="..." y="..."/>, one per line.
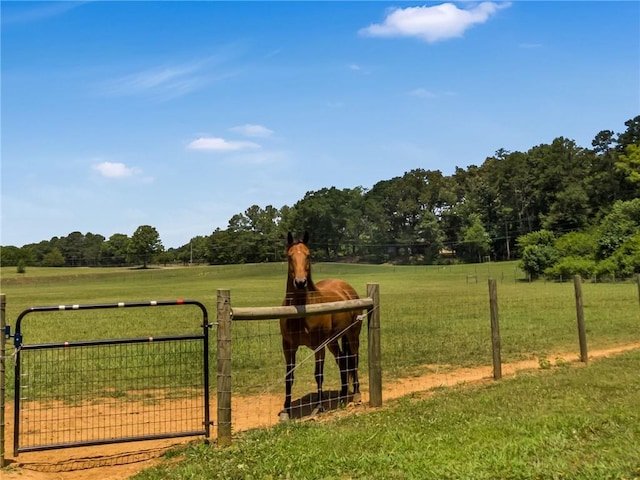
<point x="430" y="335"/>
<point x="431" y="338"/>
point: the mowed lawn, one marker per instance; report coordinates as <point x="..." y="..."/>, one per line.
<point x="563" y="423"/>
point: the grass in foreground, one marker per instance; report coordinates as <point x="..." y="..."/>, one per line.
<point x="577" y="423"/>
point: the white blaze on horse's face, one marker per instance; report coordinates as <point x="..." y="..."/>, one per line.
<point x="299" y="264"/>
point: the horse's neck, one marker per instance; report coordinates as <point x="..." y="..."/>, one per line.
<point x="299" y="297"/>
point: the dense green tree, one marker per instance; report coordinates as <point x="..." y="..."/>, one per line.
<point x="408" y="213"/>
<point x="38" y="251"/>
<point x="22" y="266"/>
<point x="569" y="211"/>
<point x="53" y="259"/>
<point x="115" y="250"/>
<point x="538" y="252"/>
<point x="431" y="235"/>
<point x="622" y="222"/>
<point x="9" y="256"/>
<point x="72" y="247"/>
<point x="560" y="187"/>
<point x="326" y="214"/>
<point x="577" y="244"/>
<point x="631" y="136"/>
<point x="604" y="182"/>
<point x="629" y="165"/>
<point x="474" y="241"/>
<point x="221" y="251"/>
<point x="92" y="248"/>
<point x="145" y="243"/>
<point x="561" y="170"/>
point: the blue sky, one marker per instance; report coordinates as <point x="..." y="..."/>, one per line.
<point x="181" y="114"/>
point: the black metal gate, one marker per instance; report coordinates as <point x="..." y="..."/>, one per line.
<point x="79" y="393"/>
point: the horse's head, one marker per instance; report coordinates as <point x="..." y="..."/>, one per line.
<point x="299" y="258"/>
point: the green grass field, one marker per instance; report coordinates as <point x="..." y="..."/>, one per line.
<point x="429" y="315"/>
<point x="566" y="423"/>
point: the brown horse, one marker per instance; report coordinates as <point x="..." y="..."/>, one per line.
<point x="318" y="331"/>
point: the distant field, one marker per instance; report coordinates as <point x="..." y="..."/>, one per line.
<point x="430" y="315"/>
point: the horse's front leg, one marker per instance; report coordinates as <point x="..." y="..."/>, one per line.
<point x="319" y="373"/>
<point x="290" y="359"/>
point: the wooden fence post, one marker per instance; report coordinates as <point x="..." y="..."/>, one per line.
<point x="224" y="366"/>
<point x="3" y="341"/>
<point x="582" y="336"/>
<point x="375" y="361"/>
<point x="495" y="329"/>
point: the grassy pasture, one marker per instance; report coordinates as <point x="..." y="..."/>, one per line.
<point x="577" y="423"/>
<point x="430" y="315"/>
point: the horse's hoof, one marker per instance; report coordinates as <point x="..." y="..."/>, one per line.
<point x="284" y="417"/>
<point x="357" y="398"/>
<point x="318" y="409"/>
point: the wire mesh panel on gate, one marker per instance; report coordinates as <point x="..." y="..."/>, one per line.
<point x="92" y="392"/>
<point x="83" y="394"/>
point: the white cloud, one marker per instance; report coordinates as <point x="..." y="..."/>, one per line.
<point x="115" y="170"/>
<point x="359" y="68"/>
<point x="215" y="144"/>
<point x="37" y="12"/>
<point x="432" y="24"/>
<point x="259" y="158"/>
<point x="169" y="82"/>
<point x="250" y="130"/>
<point x="530" y="45"/>
<point x="422" y="93"/>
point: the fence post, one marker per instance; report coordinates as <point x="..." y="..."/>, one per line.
<point x="582" y="336"/>
<point x="224" y="366"/>
<point x="3" y="342"/>
<point x="375" y="361"/>
<point x="495" y="329"/>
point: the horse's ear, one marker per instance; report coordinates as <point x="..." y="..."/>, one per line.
<point x="289" y="238"/>
<point x="305" y="238"/>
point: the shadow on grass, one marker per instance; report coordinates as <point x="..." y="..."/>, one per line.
<point x="306" y="406"/>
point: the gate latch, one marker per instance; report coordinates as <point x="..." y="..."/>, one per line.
<point x="17" y="337"/>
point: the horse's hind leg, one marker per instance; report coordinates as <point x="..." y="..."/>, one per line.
<point x="352" y="359"/>
<point x="319" y="374"/>
<point x="344" y="368"/>
<point x="341" y="360"/>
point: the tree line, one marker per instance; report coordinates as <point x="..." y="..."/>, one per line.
<point x="476" y="213"/>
